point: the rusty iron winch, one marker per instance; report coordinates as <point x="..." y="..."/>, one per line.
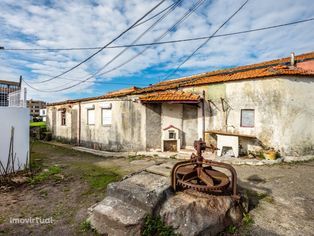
<point x="199" y="174"/>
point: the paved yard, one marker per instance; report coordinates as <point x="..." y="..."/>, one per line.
<point x="71" y="181"/>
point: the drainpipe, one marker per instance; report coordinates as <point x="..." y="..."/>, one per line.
<point x="203" y="115"/>
<point x="79" y="126"/>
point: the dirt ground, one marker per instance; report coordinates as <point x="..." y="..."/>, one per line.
<point x="64" y="196"/>
<point x="282" y="196"/>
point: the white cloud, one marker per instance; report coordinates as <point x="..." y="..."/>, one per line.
<point x="63" y="24"/>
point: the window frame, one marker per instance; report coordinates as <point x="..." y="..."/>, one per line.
<point x="63" y="117"/>
<point x="241" y="120"/>
<point x="102" y="116"/>
<point x="87" y="120"/>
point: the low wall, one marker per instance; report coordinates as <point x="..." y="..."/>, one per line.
<point x="18" y="118"/>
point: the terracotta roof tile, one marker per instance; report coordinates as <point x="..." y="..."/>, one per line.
<point x="251" y="74"/>
<point x="170" y="96"/>
<point x="114" y="94"/>
<point x="259" y="70"/>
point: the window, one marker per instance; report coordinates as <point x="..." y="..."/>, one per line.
<point x="91" y="116"/>
<point x="63" y="117"/>
<point x="106" y="116"/>
<point x="247" y="118"/>
<point x="172" y="134"/>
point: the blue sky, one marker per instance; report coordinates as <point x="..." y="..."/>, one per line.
<point x="83" y="23"/>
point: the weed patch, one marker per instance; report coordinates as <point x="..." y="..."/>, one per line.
<point x="86" y="227"/>
<point x="231" y="229"/>
<point x="247" y="219"/>
<point x="155" y="226"/>
<point x="44" y="175"/>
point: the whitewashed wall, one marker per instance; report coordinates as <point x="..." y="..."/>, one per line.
<point x="17" y="117"/>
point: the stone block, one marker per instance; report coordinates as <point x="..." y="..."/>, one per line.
<point x="144" y="190"/>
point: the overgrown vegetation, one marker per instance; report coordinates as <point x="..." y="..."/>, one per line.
<point x="45" y="174"/>
<point x="154" y="226"/>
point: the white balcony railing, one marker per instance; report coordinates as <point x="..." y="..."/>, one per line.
<point x="18" y="98"/>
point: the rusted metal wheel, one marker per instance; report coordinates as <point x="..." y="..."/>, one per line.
<point x="202" y="179"/>
<point x="199" y="174"/>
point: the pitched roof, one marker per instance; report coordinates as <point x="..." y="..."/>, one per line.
<point x="276" y="62"/>
<point x="258" y="70"/>
<point x="251" y="74"/>
<point x="170" y="96"/>
<point x="187" y="81"/>
<point x="114" y="94"/>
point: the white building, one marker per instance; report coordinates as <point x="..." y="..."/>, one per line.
<point x="14" y="130"/>
<point x="43" y="114"/>
<point x="260" y="105"/>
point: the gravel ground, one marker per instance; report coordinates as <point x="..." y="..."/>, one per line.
<point x="285" y="202"/>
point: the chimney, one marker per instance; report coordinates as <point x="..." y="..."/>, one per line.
<point x="292" y="59"/>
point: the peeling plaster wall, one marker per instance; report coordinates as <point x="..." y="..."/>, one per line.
<point x="62" y="132"/>
<point x="284" y="117"/>
<point x="127" y="131"/>
<point x="189" y="125"/>
<point x="153" y="127"/>
<point x="171" y="114"/>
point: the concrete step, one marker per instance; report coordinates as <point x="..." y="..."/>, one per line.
<point x="144" y="190"/>
<point x="115" y="217"/>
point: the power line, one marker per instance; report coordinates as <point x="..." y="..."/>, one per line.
<point x="157" y="14"/>
<point x="205" y="42"/>
<point x="189" y="12"/>
<point x="125" y="49"/>
<point x="162" y="42"/>
<point x="184" y="17"/>
<point x="102" y="48"/>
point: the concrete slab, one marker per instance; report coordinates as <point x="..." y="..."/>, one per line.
<point x="163" y="169"/>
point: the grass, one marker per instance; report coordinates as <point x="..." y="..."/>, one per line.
<point x="86" y="226"/>
<point x="155" y="226"/>
<point x="231" y="229"/>
<point x="247" y="219"/>
<point x="45" y="174"/>
<point x="99" y="179"/>
<point x="37" y="124"/>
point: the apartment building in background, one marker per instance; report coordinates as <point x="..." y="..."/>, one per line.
<point x="35" y="106"/>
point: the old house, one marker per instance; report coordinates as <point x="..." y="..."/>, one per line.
<point x="267" y="104"/>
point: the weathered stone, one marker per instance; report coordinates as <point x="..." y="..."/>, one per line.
<point x="163" y="169"/>
<point x="115" y="217"/>
<point x="192" y="213"/>
<point x="144" y="190"/>
<point x="127" y="203"/>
